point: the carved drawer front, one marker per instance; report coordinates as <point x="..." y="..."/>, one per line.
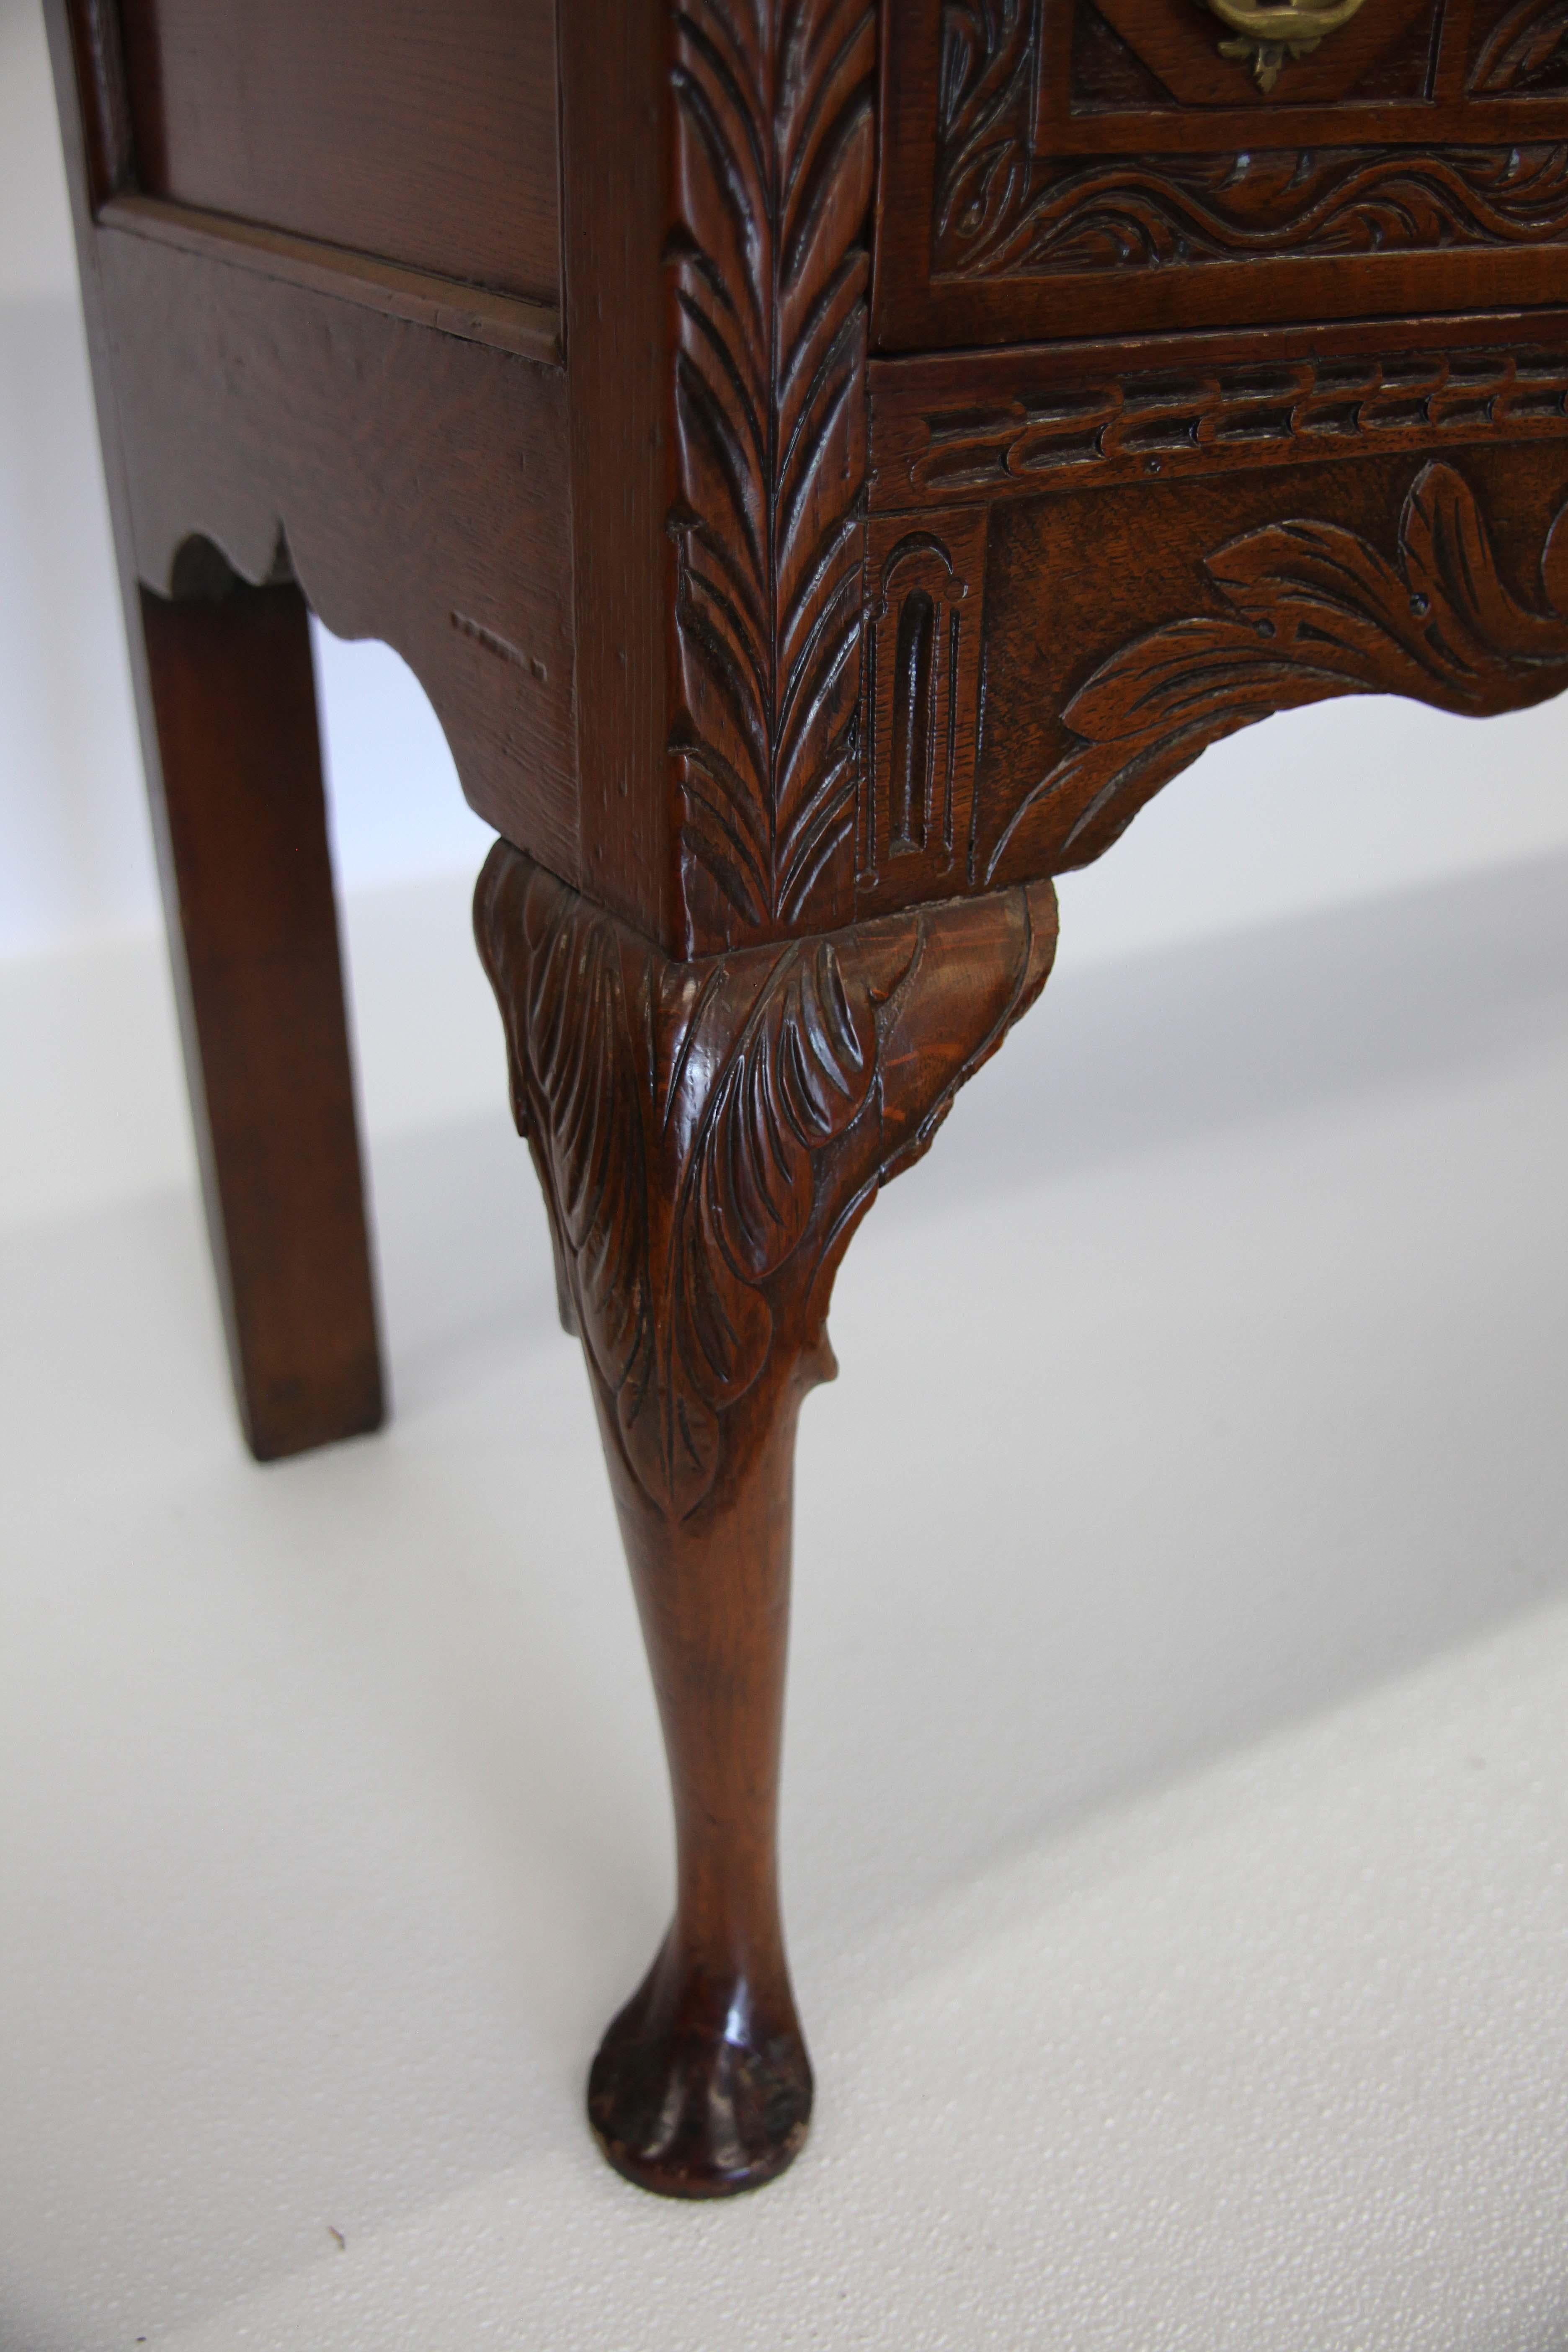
<point x="1062" y="167"/>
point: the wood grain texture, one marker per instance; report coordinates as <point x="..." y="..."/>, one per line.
<point x="505" y="321"/>
<point x="419" y="483"/>
<point x="240" y="823"/>
<point x="421" y="131"/>
<point x="773" y="147"/>
<point x="89" y="63"/>
<point x="708" y="1136"/>
<point x="719" y="161"/>
<point x="1184" y="412"/>
<point x="224" y="701"/>
<point x="616" y="185"/>
<point x="1443" y="581"/>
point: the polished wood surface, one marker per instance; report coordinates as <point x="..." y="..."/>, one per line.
<point x="942" y="418"/>
<point x="421" y="131"/>
<point x="708" y="1137"/>
<point x="241" y="828"/>
<point x="1013" y="207"/>
<point x="349" y="436"/>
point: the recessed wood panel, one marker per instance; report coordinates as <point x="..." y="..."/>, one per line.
<point x="421" y="131"/>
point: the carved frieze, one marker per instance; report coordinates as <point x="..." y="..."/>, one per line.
<point x="961" y="445"/>
<point x="1313" y="610"/>
<point x="1070" y="715"/>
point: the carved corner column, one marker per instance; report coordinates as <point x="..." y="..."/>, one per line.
<point x="708" y="1136"/>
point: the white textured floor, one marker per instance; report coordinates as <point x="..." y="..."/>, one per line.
<point x="1177" y="1796"/>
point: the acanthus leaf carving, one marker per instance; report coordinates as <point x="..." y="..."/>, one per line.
<point x="769" y="262"/>
<point x="1315" y="611"/>
<point x="709" y="1134"/>
<point x="1524" y="52"/>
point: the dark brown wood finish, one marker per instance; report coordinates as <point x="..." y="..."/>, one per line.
<point x="1045" y="717"/>
<point x="1006" y="215"/>
<point x="708" y="1137"/>
<point x="774" y="146"/>
<point x="257" y="388"/>
<point x="530" y="329"/>
<point x="352" y="436"/>
<point x="941" y="419"/>
<point x="226" y="699"/>
<point x="240" y="823"/>
<point x="421" y="131"/>
<point x="1448" y="583"/>
<point x="962" y="427"/>
<point x="615" y="135"/>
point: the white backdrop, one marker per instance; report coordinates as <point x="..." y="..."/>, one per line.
<point x="1350" y="799"/>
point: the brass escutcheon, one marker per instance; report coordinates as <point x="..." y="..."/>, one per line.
<point x="1271" y="32"/>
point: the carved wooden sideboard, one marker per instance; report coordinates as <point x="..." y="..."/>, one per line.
<point x="828" y="463"/>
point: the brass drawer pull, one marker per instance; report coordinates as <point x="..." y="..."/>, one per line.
<point x="1271" y="35"/>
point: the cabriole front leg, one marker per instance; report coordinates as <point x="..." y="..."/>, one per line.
<point x="708" y="1136"/>
<point x="702" y="2084"/>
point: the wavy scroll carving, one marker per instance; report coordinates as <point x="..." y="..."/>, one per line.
<point x="708" y="1135"/>
<point x="1000" y="211"/>
<point x="774" y="149"/>
<point x="1315" y="612"/>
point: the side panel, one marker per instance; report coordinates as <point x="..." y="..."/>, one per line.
<point x="421" y="131"/>
<point x="418" y="480"/>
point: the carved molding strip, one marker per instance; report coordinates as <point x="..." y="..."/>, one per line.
<point x="710" y="1134"/>
<point x="999" y="211"/>
<point x="1315" y="612"/>
<point x="1164" y="423"/>
<point x="774" y="137"/>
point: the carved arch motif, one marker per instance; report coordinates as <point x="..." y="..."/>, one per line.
<point x="926" y="593"/>
<point x="917" y="613"/>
